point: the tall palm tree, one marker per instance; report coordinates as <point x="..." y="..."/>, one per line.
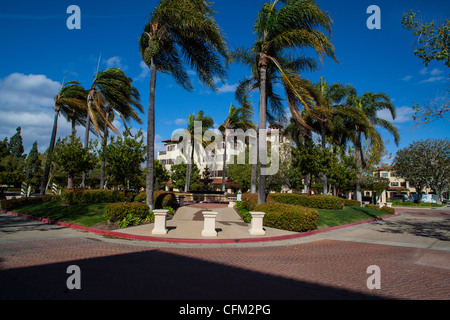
<point x="111" y="91"/>
<point x="291" y="26"/>
<point x="180" y="31"/>
<point x="71" y="102"/>
<point x="207" y="124"/>
<point x="369" y="104"/>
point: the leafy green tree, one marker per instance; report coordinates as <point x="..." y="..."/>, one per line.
<point x="292" y="25"/>
<point x="180" y="31"/>
<point x="241" y="173"/>
<point x="124" y="157"/>
<point x="70" y="155"/>
<point x="161" y="174"/>
<point x="178" y="175"/>
<point x="15" y="146"/>
<point x="425" y="163"/>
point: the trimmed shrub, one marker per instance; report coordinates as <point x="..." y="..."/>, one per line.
<point x="249" y="201"/>
<point x="117" y="212"/>
<point x="319" y="201"/>
<point x="94" y="196"/>
<point x="161" y="199"/>
<point x="348" y="202"/>
<point x="20" y="202"/>
<point x="288" y="217"/>
<point x="388" y="209"/>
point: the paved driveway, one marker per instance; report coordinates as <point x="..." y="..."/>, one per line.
<point x="411" y="251"/>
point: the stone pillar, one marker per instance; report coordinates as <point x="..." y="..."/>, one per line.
<point x="256" y="225"/>
<point x="160" y="222"/>
<point x="209" y="226"/>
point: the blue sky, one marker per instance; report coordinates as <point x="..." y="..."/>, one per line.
<point x="39" y="52"/>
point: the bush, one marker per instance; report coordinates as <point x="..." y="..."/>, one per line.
<point x="128" y="211"/>
<point x="288" y="217"/>
<point x="249" y="201"/>
<point x="348" y="202"/>
<point x="161" y="199"/>
<point x="95" y="196"/>
<point x="314" y="201"/>
<point x="20" y="202"/>
<point x="244" y="213"/>
<point x="388" y="209"/>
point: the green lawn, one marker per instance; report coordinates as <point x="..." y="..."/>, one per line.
<point x="85" y="215"/>
<point x="90" y="214"/>
<point x="332" y="218"/>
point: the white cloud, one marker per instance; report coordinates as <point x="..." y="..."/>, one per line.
<point x="432" y="79"/>
<point x="115" y="62"/>
<point x="145" y="71"/>
<point x="26" y="101"/>
<point x="227" y="88"/>
<point x="406" y="78"/>
<point x="403" y="114"/>
<point x="180" y="121"/>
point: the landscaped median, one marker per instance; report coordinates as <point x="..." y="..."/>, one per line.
<point x="300" y="213"/>
<point x="281" y="210"/>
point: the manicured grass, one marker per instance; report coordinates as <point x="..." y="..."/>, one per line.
<point x="350" y="214"/>
<point x="85" y="214"/>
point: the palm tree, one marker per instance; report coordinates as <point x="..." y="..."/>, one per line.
<point x="291" y="26"/>
<point x="71" y="102"/>
<point x="180" y="31"/>
<point x="111" y="91"/>
<point x="368" y="105"/>
<point x="207" y="123"/>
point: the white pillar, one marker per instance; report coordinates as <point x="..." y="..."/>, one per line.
<point x="209" y="226"/>
<point x="160" y="222"/>
<point x="256" y="225"/>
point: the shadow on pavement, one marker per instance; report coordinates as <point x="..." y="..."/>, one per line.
<point x="153" y="274"/>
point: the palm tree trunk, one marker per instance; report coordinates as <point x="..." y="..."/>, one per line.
<point x="86" y="144"/>
<point x="359" y="160"/>
<point x="324" y="176"/>
<point x="50" y="149"/>
<point x="187" y="184"/>
<point x="262" y="153"/>
<point x="105" y="141"/>
<point x="151" y="137"/>
<point x="224" y="164"/>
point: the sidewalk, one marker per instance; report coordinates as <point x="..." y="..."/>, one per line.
<point x="187" y="223"/>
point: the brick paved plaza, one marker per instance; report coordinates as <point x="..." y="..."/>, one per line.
<point x="33" y="266"/>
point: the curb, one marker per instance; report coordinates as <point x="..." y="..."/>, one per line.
<point x="194" y="241"/>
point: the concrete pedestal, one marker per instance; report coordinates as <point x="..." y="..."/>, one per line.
<point x="256" y="225"/>
<point x="209" y="226"/>
<point x="160" y="222"/>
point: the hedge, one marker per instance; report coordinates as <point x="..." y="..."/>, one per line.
<point x="161" y="199"/>
<point x="319" y="201"/>
<point x="376" y="207"/>
<point x="349" y="202"/>
<point x="95" y="196"/>
<point x="20" y="202"/>
<point x="117" y="212"/>
<point x="288" y="217"/>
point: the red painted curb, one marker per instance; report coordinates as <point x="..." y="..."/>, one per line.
<point x="197" y="241"/>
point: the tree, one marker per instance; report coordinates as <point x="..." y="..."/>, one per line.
<point x="179" y="30"/>
<point x="72" y="157"/>
<point x="33" y="163"/>
<point x="292" y="26"/>
<point x="433" y="42"/>
<point x="425" y="163"/>
<point x="15" y="146"/>
<point x="124" y="157"/>
<point x="206" y="123"/>
<point x="366" y="120"/>
<point x="178" y="175"/>
<point x="161" y="174"/>
<point x="71" y="102"/>
<point x="111" y="92"/>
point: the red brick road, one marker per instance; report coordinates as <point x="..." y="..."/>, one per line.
<point x="325" y="269"/>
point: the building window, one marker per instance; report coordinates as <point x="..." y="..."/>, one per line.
<point x="385" y="175"/>
<point x="394" y="184"/>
